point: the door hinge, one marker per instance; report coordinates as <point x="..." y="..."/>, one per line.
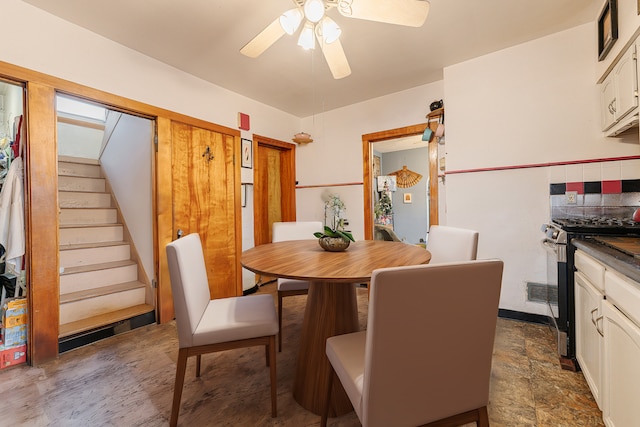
<point x="155" y="142"/>
<point x="154" y="284"/>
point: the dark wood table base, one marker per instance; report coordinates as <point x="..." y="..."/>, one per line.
<point x="332" y="309"/>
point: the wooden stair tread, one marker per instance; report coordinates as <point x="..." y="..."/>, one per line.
<point x="96" y="292"/>
<point x="69" y="159"/>
<point x="100" y="224"/>
<point x="92" y="245"/>
<point x="86" y="208"/>
<point x="83" y="192"/>
<point x="94" y="267"/>
<point x="84" y="325"/>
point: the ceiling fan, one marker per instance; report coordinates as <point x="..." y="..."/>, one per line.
<point x="318" y="26"/>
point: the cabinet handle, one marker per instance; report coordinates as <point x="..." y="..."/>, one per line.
<point x="592" y="319"/>
<point x="597" y="328"/>
<point x="613" y="105"/>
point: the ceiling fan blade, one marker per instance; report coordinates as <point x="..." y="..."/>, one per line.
<point x="337" y="60"/>
<point x="264" y="40"/>
<point x="410" y="13"/>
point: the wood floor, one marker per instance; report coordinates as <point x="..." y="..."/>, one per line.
<point x="127" y="380"/>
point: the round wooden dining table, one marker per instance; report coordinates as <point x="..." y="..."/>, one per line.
<point x="332" y="307"/>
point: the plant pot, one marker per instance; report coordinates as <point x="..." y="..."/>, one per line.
<point x="333" y="244"/>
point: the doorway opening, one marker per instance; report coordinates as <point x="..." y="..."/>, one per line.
<point x="105" y="231"/>
<point x="369" y="186"/>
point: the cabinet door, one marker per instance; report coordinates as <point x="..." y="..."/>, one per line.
<point x="589" y="342"/>
<point x="607" y="101"/>
<point x="621" y="374"/>
<point x="625" y="77"/>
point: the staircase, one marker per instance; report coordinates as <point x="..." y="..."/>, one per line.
<point x="99" y="283"/>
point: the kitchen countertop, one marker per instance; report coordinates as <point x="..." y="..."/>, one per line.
<point x="619" y="261"/>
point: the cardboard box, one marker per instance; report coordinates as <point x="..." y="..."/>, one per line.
<point x="15" y="336"/>
<point x="13" y="356"/>
<point x="14" y="313"/>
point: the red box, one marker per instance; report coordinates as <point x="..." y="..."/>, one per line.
<point x="13" y="356"/>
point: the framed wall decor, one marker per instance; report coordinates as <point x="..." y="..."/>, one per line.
<point x="407" y="198"/>
<point x="607" y="28"/>
<point x="243" y="195"/>
<point x="247" y="155"/>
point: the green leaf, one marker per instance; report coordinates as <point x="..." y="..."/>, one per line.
<point x="318" y="234"/>
<point x="345" y="235"/>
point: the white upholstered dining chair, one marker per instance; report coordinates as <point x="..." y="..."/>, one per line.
<point x="205" y="325"/>
<point x="426" y="354"/>
<point x="451" y="244"/>
<point x="293" y="230"/>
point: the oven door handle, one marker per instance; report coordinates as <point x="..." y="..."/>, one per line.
<point x="559" y="249"/>
<point x="549" y="245"/>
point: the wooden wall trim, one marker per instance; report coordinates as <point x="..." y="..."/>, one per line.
<point x="41" y="207"/>
<point x="115" y="102"/>
<point x="342" y="184"/>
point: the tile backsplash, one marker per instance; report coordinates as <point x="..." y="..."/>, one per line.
<point x="613" y="198"/>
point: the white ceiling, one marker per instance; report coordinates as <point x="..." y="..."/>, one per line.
<point x="203" y="38"/>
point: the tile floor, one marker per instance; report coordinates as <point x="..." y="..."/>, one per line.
<point x="127" y="380"/>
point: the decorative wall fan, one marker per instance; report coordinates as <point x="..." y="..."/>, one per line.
<point x="318" y="25"/>
<point x="406" y="178"/>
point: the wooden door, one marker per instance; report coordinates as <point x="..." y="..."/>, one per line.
<point x="204" y="198"/>
<point x="274" y="186"/>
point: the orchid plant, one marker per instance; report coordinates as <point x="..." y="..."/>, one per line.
<point x="334" y="206"/>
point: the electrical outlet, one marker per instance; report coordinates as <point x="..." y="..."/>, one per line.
<point x="572" y="197"/>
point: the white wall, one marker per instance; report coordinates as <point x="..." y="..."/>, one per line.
<point x="79" y="141"/>
<point x="335" y="155"/>
<point x="39" y="40"/>
<point x="126" y="162"/>
<point x="532" y="104"/>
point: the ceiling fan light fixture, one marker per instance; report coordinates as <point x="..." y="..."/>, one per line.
<point x="314" y="10"/>
<point x="329" y="30"/>
<point x="307" y="38"/>
<point x="290" y="20"/>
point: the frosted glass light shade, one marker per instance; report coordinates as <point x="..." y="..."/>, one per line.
<point x="307" y="38"/>
<point x="314" y="10"/>
<point x="290" y="20"/>
<point x="329" y="30"/>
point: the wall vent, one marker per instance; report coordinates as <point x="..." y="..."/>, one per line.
<point x="541" y="292"/>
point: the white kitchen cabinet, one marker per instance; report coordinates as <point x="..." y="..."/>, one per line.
<point x="588" y="339"/>
<point x="589" y="295"/>
<point x="621" y="388"/>
<point x="619" y="92"/>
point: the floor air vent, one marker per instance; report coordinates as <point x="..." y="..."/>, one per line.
<point x="541" y="292"/>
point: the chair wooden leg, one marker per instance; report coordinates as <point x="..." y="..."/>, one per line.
<point x="271" y="347"/>
<point x="266" y="354"/>
<point x="483" y="417"/>
<point x="478" y="416"/>
<point x="198" y="363"/>
<point x="279" y="321"/>
<point x="181" y="367"/>
<point x="327" y="399"/>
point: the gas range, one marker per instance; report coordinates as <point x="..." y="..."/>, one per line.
<point x="598" y="225"/>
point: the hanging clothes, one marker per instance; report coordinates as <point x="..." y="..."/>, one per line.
<point x="12" y="216"/>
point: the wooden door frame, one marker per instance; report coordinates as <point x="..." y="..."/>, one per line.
<point x="288" y="178"/>
<point x="41" y="163"/>
<point x="367" y="164"/>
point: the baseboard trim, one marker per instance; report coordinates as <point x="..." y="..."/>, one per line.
<point x="524" y="317"/>
<point x="86" y="338"/>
